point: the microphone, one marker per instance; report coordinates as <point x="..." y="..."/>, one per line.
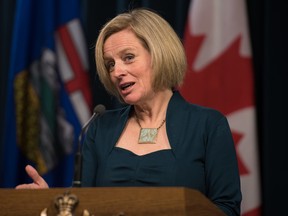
<point x="98" y="110"/>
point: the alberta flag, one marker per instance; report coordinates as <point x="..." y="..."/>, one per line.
<point x="49" y="97"/>
<point x="220" y="75"/>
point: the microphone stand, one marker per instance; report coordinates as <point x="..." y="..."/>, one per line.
<point x="99" y="109"/>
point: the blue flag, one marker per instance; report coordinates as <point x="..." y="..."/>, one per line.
<point x="49" y="98"/>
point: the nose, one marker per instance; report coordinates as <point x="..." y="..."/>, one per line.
<point x="119" y="69"/>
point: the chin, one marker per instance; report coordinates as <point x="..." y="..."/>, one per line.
<point x="129" y="100"/>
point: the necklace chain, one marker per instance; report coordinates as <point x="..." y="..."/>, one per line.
<point x="156" y="128"/>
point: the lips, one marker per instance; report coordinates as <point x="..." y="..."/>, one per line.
<point x="125" y="86"/>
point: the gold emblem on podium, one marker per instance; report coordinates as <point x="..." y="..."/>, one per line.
<point x="65" y="204"/>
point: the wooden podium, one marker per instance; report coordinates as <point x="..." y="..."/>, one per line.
<point x="117" y="201"/>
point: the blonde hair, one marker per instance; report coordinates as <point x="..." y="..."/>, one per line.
<point x="158" y="37"/>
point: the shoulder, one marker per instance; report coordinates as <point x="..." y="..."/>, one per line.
<point x="205" y="112"/>
<point x="118" y="112"/>
<point x="114" y="115"/>
<point x="110" y="120"/>
<point x="179" y="104"/>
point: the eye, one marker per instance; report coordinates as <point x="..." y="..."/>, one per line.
<point x="129" y="58"/>
<point x="110" y="66"/>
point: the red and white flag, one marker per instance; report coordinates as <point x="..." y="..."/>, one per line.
<point x="48" y="91"/>
<point x="220" y="75"/>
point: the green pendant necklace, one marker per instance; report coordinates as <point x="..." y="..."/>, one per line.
<point x="148" y="135"/>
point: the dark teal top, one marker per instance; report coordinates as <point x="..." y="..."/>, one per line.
<point x="202" y="155"/>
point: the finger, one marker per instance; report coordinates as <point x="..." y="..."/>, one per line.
<point x="25" y="186"/>
<point x="32" y="172"/>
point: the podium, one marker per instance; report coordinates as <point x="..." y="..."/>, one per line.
<point x="110" y="201"/>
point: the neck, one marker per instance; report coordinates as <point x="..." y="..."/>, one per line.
<point x="153" y="112"/>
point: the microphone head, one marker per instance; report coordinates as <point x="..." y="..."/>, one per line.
<point x="99" y="109"/>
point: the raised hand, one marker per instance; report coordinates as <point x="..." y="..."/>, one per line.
<point x="38" y="181"/>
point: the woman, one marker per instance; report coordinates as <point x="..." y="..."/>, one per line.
<point x="158" y="139"/>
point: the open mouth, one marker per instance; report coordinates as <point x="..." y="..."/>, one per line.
<point x="126" y="85"/>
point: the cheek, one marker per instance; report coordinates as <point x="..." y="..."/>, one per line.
<point x="147" y="75"/>
<point x="112" y="78"/>
<point x="145" y="70"/>
<point x="113" y="81"/>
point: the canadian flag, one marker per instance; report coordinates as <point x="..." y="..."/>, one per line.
<point x="220" y="76"/>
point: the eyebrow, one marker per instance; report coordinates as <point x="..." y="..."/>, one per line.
<point x="121" y="52"/>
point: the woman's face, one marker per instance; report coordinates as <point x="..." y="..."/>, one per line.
<point x="129" y="65"/>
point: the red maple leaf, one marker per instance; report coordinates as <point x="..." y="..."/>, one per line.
<point x="225" y="84"/>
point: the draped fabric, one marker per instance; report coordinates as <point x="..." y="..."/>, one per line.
<point x="49" y="97"/>
<point x="220" y="75"/>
